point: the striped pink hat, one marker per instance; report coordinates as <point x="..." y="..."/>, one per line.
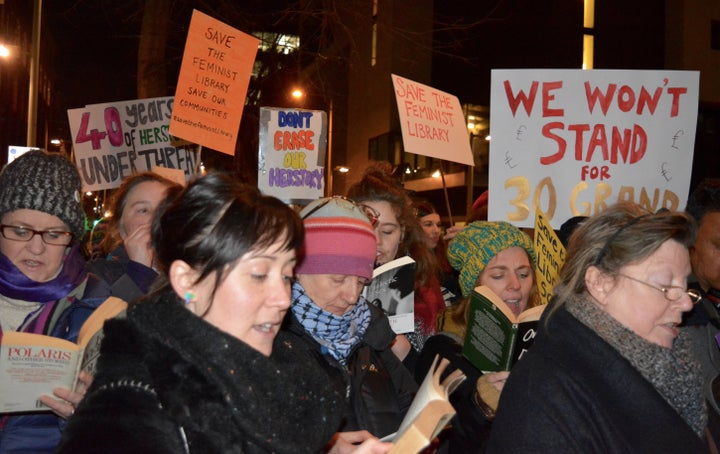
<point x="338" y="240"/>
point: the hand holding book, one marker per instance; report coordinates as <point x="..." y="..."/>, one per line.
<point x="495" y="338"/>
<point x="430" y="411"/>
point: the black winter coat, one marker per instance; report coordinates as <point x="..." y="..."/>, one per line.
<point x="169" y="382"/>
<point x="575" y="393"/>
<point x="378" y="386"/>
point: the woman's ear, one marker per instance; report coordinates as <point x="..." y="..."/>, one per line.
<point x="183" y="279"/>
<point x="597" y="284"/>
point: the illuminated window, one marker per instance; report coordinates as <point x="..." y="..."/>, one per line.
<point x="589" y="35"/>
<point x="278" y="42"/>
<point x="373" y="48"/>
<point x="588" y="46"/>
<point x="589" y="17"/>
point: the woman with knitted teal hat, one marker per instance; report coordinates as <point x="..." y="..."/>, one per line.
<point x="502" y="257"/>
<point x="44" y="288"/>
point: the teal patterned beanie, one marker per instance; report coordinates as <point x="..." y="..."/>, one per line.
<point x="475" y="245"/>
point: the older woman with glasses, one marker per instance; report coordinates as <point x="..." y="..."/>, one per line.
<point x="44" y="287"/>
<point x="609" y="370"/>
<point x="338" y="330"/>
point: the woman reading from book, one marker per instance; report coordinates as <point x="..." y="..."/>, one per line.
<point x="501" y="257"/>
<point x="198" y="365"/>
<point x="609" y="370"/>
<point x="127" y="255"/>
<point x="44" y="288"/>
<point x="337" y="329"/>
<point x="398" y="233"/>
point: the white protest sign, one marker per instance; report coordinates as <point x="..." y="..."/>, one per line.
<point x="292" y="143"/>
<point x="15" y="152"/>
<point x="115" y="140"/>
<point x="573" y="142"/>
<point x="432" y="122"/>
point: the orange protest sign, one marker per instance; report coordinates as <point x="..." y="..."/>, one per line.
<point x="211" y="89"/>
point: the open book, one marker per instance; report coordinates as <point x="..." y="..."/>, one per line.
<point x="495" y="338"/>
<point x="32" y="365"/>
<point x="393" y="290"/>
<point x="429" y="412"/>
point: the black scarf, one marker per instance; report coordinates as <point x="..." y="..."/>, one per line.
<point x="280" y="403"/>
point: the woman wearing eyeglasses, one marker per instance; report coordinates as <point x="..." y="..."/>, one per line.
<point x="609" y="370"/>
<point x="44" y="287"/>
<point x="337" y="329"/>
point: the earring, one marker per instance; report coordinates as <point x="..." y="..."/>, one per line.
<point x="189" y="297"/>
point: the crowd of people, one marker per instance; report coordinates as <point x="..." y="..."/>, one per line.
<point x="248" y="331"/>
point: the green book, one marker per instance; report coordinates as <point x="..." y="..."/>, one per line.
<point x="495" y="338"/>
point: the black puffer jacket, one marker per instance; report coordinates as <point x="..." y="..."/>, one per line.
<point x="169" y="382"/>
<point x="379" y="388"/>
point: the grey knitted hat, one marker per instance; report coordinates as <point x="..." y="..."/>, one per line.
<point x="43" y="182"/>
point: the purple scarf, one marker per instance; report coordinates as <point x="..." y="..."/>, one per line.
<point x="14" y="284"/>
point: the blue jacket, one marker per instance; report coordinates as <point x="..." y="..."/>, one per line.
<point x="40" y="432"/>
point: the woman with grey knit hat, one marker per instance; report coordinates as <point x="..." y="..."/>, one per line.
<point x="44" y="287"/>
<point x="609" y="370"/>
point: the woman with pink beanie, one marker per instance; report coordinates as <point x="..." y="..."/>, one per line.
<point x="337" y="328"/>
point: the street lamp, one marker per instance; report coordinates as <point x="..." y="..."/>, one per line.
<point x="7" y="51"/>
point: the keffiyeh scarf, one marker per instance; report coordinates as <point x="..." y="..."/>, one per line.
<point x="336" y="334"/>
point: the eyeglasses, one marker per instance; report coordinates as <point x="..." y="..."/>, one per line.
<point x="25" y="234"/>
<point x="368" y="211"/>
<point x="672" y="293"/>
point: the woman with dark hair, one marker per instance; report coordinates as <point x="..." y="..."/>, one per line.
<point x="430" y="222"/>
<point x="609" y="370"/>
<point x="196" y="366"/>
<point x="127" y="256"/>
<point x="398" y="233"/>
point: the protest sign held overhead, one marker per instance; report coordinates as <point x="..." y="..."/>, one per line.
<point x="432" y="122"/>
<point x="550" y="257"/>
<point x="292" y="147"/>
<point x="572" y="142"/>
<point x="114" y="140"/>
<point x="213" y="82"/>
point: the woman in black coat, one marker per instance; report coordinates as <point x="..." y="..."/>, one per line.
<point x="609" y="370"/>
<point x="337" y="328"/>
<point x="197" y="366"/>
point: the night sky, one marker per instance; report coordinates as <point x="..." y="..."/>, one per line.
<point x="96" y="51"/>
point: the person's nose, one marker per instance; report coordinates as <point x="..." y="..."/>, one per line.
<point x="685" y="303"/>
<point x="36" y="245"/>
<point x="513" y="282"/>
<point x="281" y="293"/>
<point x="350" y="291"/>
